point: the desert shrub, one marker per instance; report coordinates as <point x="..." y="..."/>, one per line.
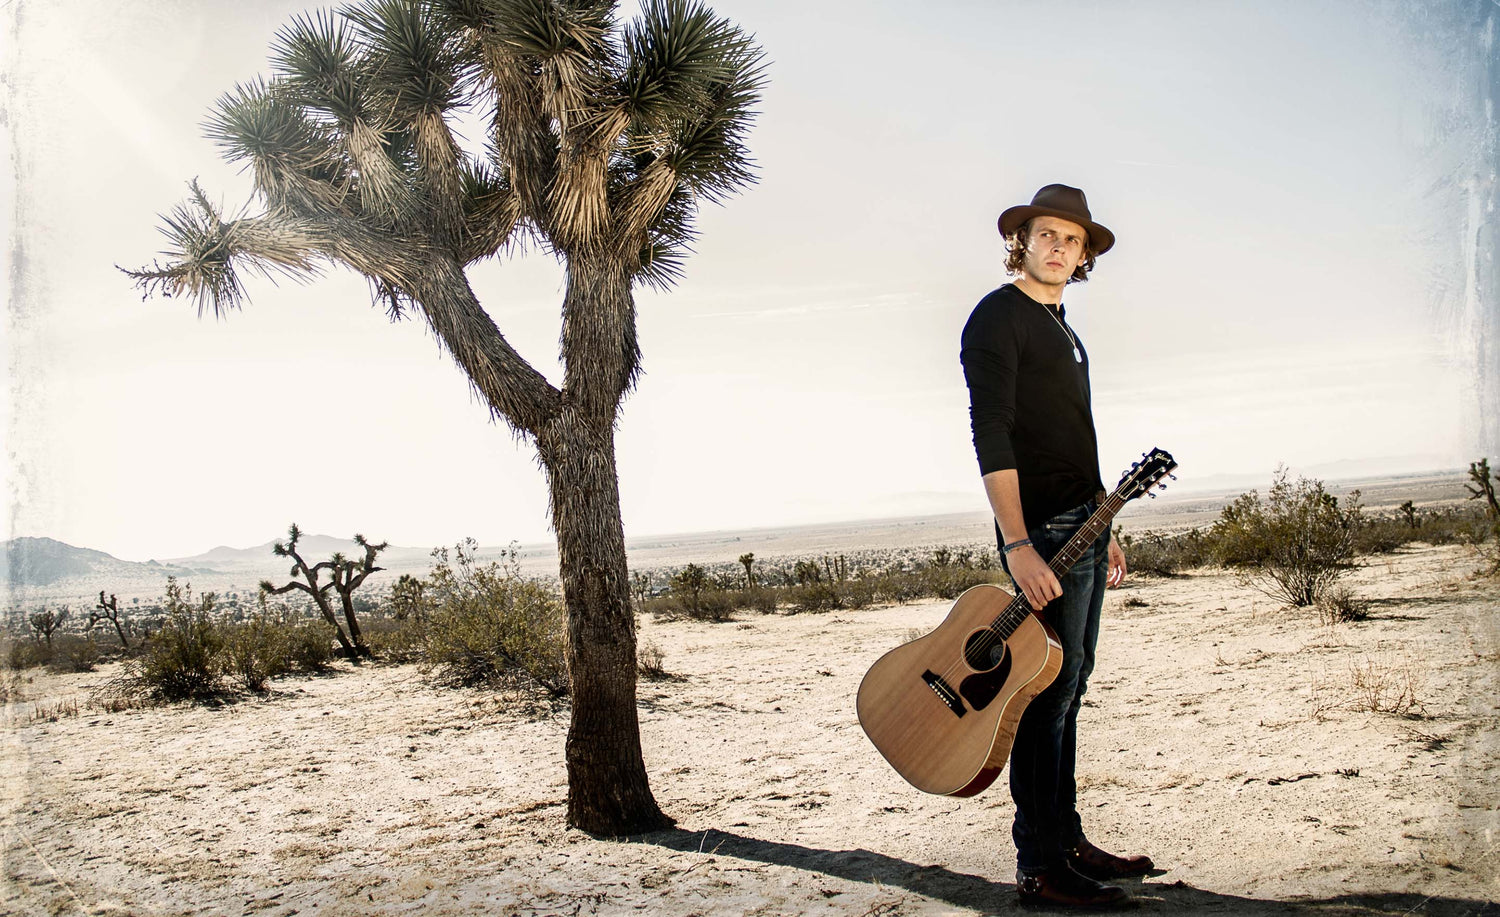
<point x="649" y="658"/>
<point x="858" y="592"/>
<point x="489" y="625"/>
<point x="897" y="586"/>
<point x="1158" y="554"/>
<point x="180" y="661"/>
<point x="396" y="639"/>
<point x="73" y="653"/>
<point x="26" y="654"/>
<point x="1384" y="533"/>
<point x="816" y="595"/>
<point x="255" y="651"/>
<point x="1292" y="544"/>
<point x="663" y="607"/>
<point x="761" y="599"/>
<point x="1339" y="605"/>
<point x="949" y="582"/>
<point x="712" y="605"/>
<point x="309" y="646"/>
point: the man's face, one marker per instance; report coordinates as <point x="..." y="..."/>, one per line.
<point x="1053" y="249"/>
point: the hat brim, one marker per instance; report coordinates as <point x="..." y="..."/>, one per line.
<point x="1101" y="239"/>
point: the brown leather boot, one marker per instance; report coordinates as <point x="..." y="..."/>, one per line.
<point x="1061" y="886"/>
<point x="1101" y="865"/>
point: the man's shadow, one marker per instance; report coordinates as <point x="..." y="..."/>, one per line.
<point x="988" y="896"/>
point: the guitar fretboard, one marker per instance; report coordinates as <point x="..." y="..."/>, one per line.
<point x="1015" y="613"/>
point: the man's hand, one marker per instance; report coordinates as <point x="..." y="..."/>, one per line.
<point x="1116" y="564"/>
<point x="1031" y="573"/>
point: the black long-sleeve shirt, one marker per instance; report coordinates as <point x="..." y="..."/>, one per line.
<point x="1029" y="402"/>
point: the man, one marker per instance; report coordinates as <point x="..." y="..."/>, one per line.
<point x="1029" y="406"/>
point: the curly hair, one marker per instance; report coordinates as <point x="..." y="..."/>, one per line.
<point x="1015" y="254"/>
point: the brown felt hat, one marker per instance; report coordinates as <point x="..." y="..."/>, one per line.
<point x="1064" y="203"/>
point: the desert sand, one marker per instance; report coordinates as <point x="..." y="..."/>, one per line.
<point x="1223" y="734"/>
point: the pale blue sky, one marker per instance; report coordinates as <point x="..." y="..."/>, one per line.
<point x="1280" y="177"/>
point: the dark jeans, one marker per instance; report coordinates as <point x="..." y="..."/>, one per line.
<point x="1043" y="756"/>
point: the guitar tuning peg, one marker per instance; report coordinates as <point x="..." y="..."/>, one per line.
<point x="1151" y="494"/>
<point x="1172" y="476"/>
<point x="1161" y="487"/>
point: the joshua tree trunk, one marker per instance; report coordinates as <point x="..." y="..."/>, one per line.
<point x="322" y="602"/>
<point x="608" y="792"/>
<point x="355" y="634"/>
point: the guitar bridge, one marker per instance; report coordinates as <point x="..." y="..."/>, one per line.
<point x="945" y="692"/>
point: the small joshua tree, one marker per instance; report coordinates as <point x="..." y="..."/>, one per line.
<point x="347" y="577"/>
<point x="640" y="588"/>
<point x="1483" y="486"/>
<point x="1408" y="512"/>
<point x="46" y="622"/>
<point x="747" y="560"/>
<point x="408" y="599"/>
<point x="690" y="583"/>
<point x="109" y="611"/>
<point x="308" y="584"/>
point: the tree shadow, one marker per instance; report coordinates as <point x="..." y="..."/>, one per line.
<point x="991" y="897"/>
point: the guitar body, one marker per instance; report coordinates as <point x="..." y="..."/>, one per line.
<point x="943" y="710"/>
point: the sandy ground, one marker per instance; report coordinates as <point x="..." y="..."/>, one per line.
<point x="1223" y="735"/>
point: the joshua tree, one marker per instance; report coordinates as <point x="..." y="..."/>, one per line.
<point x="690" y="582"/>
<point x="748" y="561"/>
<point x="407" y="598"/>
<point x="1408" y="512"/>
<point x="308" y="584"/>
<point x="602" y="141"/>
<point x="109" y="611"/>
<point x="347" y="577"/>
<point x="46" y="622"/>
<point x="640" y="587"/>
<point x="1483" y="486"/>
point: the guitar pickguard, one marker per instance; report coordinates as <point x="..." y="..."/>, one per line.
<point x="981" y="688"/>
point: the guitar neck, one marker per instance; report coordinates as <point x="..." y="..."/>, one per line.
<point x="1086" y="535"/>
<point x="1063" y="560"/>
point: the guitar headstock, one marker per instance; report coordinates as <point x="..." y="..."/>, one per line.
<point x="1146" y="473"/>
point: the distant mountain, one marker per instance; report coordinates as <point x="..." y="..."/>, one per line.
<point x="44" y="561"/>
<point x="313" y="548"/>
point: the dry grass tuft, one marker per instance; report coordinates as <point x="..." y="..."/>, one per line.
<point x="1375" y="683"/>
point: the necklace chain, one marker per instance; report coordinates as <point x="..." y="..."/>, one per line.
<point x="1072" y="339"/>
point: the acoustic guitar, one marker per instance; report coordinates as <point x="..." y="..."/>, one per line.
<point x="943" y="709"/>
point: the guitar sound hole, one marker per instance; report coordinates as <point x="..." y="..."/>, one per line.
<point x="984" y="650"/>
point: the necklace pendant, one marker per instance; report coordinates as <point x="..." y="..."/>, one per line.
<point x="1077" y="357"/>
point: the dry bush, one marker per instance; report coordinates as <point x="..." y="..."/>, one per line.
<point x="1374" y="683"/>
<point x="309" y="646"/>
<point x="397" y="639"/>
<point x="254" y="652"/>
<point x="1385" y="684"/>
<point x="180" y="661"/>
<point x="26" y="654"/>
<point x="490" y="625"/>
<point x="1293" y="544"/>
<point x="51" y="713"/>
<point x="1156" y="554"/>
<point x="1339" y="605"/>
<point x="649" y="658"/>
